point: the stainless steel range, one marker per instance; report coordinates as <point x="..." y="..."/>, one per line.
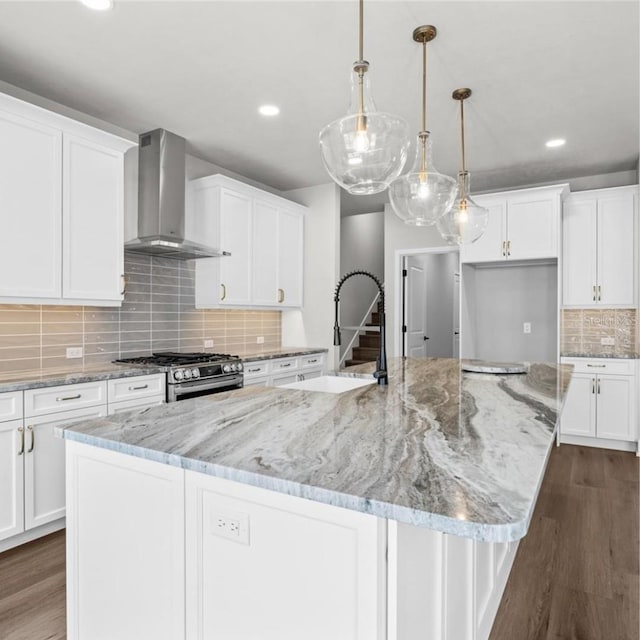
<point x="194" y="374"/>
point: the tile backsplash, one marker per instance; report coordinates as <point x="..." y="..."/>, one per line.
<point x="158" y="314"/>
<point x="582" y="331"/>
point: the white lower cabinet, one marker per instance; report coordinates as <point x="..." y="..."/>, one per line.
<point x="279" y="371"/>
<point x="11" y="478"/>
<point x="601" y="404"/>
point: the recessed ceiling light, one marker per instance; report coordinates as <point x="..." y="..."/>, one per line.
<point x="557" y="142"/>
<point x="98" y="5"/>
<point x="269" y="110"/>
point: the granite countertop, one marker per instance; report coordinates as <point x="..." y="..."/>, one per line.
<point x="622" y="356"/>
<point x="39" y="379"/>
<point x="284" y="352"/>
<point x="462" y="453"/>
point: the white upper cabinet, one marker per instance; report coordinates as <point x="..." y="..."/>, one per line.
<point x="61" y="208"/>
<point x="599" y="248"/>
<point x="523" y="225"/>
<point x="263" y="233"/>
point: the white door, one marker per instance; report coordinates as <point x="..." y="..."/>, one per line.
<point x="616" y="232"/>
<point x="489" y="247"/>
<point x="415" y="308"/>
<point x="533" y="223"/>
<point x="11" y="479"/>
<point x="579" y="413"/>
<point x="615" y="413"/>
<point x="264" y="254"/>
<point x="290" y="258"/>
<point x="456" y="315"/>
<point x="44" y="494"/>
<point x="235" y="237"/>
<point x="93" y="219"/>
<point x="579" y="252"/>
<point x="30" y="208"/>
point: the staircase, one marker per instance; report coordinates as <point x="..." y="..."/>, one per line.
<point x="368" y="347"/>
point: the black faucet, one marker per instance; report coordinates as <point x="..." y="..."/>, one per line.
<point x="381" y="362"/>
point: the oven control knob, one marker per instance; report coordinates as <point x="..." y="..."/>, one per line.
<point x="239" y="366"/>
<point x="195" y="373"/>
<point x="226" y="368"/>
<point x="187" y="374"/>
<point x="178" y="375"/>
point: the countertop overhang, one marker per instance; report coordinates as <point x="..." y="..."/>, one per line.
<point x="462" y="453"/>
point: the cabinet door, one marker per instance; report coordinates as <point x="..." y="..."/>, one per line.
<point x="290" y="258"/>
<point x="578" y="414"/>
<point x="264" y="254"/>
<point x="44" y="496"/>
<point x="533" y="223"/>
<point x="235" y="235"/>
<point x="489" y="246"/>
<point x="93" y="218"/>
<point x="615" y="410"/>
<point x="579" y="252"/>
<point x="30" y="208"/>
<point x="616" y="232"/>
<point x="11" y="479"/>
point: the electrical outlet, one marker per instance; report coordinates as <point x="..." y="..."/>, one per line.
<point x="260" y="340"/>
<point x="231" y="525"/>
<point x="208" y="344"/>
<point x="609" y="342"/>
<point x="74" y="352"/>
<point x="526" y="327"/>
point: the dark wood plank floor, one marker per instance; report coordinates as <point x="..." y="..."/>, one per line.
<point x="575" y="577"/>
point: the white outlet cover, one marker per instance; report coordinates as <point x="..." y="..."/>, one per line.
<point x="208" y="344"/>
<point x="526" y="327"/>
<point x="74" y="352"/>
<point x="609" y="342"/>
<point x="232" y="525"/>
<point x="260" y="340"/>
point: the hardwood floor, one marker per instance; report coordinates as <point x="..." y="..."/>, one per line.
<point x="575" y="577"/>
<point x="576" y="574"/>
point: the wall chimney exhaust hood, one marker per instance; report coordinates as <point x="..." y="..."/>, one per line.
<point x="161" y="200"/>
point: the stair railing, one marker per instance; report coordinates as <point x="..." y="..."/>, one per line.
<point x="358" y="329"/>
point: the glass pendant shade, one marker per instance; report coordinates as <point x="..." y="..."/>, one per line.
<point x="367" y="149"/>
<point x="466" y="221"/>
<point x="423" y="195"/>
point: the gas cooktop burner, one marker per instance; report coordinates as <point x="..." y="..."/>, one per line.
<point x="173" y="359"/>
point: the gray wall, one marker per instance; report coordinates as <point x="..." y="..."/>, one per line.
<point x="361" y="247"/>
<point x="496" y="303"/>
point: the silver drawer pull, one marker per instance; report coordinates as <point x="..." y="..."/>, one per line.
<point x="312" y="361"/>
<point x="257" y="370"/>
<point x="33" y="439"/>
<point x="597" y="366"/>
<point x="282" y="366"/>
<point x="63" y="398"/>
<point x="142" y="386"/>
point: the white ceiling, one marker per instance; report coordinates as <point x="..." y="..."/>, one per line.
<point x="538" y="70"/>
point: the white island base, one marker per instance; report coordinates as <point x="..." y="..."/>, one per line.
<point x="155" y="552"/>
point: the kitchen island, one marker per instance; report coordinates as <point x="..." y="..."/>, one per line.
<point x="379" y="513"/>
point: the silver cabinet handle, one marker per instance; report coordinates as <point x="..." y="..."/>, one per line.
<point x="594" y="292"/>
<point x="508" y="247"/>
<point x="142" y="386"/>
<point x="123" y="283"/>
<point x="598" y="385"/>
<point x="283" y="366"/>
<point x="257" y="370"/>
<point x="593" y="385"/>
<point x="314" y="360"/>
<point x="280" y="296"/>
<point x="504" y="248"/>
<point x="33" y="439"/>
<point x="224" y="292"/>
<point x="599" y="293"/>
<point x="21" y="432"/>
<point x="64" y="398"/>
<point x="597" y="366"/>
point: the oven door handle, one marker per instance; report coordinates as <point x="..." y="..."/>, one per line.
<point x="204" y="385"/>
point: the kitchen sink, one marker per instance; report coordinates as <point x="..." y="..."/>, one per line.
<point x="331" y="384"/>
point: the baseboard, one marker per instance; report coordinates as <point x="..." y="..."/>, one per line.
<point x="32" y="534"/>
<point x="601" y="443"/>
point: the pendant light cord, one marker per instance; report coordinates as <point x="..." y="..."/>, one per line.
<point x="361" y="32"/>
<point x="423" y="133"/>
<point x="361" y="68"/>
<point x="464" y="165"/>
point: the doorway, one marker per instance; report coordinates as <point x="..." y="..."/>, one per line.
<point x="430" y="304"/>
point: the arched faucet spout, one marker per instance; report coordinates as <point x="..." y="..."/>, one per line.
<point x="381" y="362"/>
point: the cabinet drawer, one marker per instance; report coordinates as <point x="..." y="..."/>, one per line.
<point x="601" y="365"/>
<point x="39" y="402"/>
<point x="10" y="406"/>
<point x="136" y="387"/>
<point x="315" y="361"/>
<point x="137" y="403"/>
<point x="252" y="369"/>
<point x="283" y="365"/>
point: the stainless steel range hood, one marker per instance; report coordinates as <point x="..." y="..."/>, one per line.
<point x="161" y="200"/>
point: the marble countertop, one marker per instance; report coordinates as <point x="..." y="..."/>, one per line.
<point x="462" y="453"/>
<point x="39" y="379"/>
<point x="283" y="352"/>
<point x="622" y="356"/>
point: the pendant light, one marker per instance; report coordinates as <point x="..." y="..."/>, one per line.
<point x="466" y="221"/>
<point x="367" y="149"/>
<point x="423" y="195"/>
